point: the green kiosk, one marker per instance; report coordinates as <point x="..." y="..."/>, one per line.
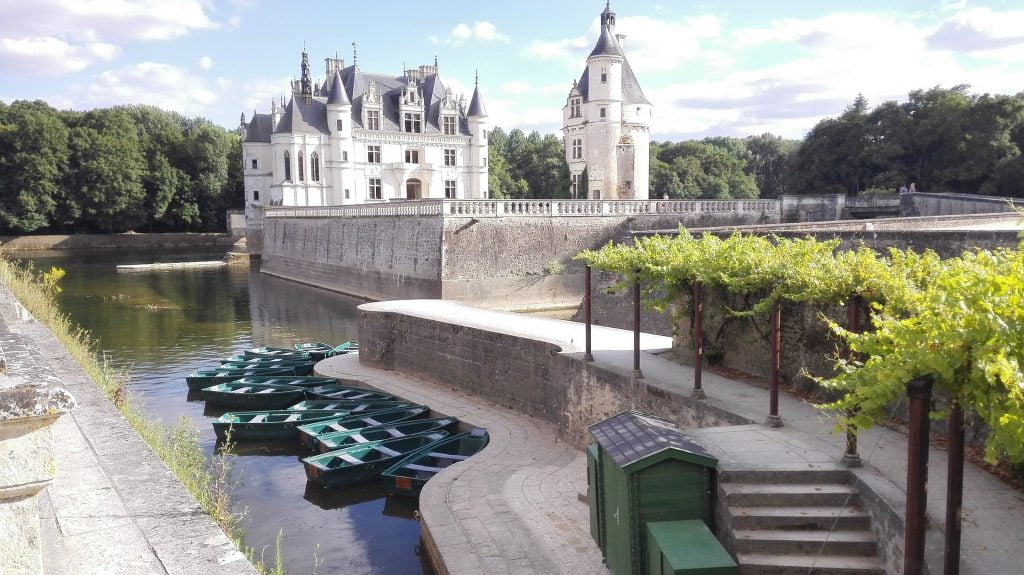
<point x="651" y="492"/>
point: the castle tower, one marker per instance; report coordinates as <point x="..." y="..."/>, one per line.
<point x="341" y="160"/>
<point x="606" y="123"/>
<point x="479" y="126"/>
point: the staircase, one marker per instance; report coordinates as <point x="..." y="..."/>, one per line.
<point x="805" y="522"/>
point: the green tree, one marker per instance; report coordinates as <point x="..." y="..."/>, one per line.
<point x="33" y="165"/>
<point x="768" y="156"/>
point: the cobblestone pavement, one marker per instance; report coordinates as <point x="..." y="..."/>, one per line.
<point x="516" y="508"/>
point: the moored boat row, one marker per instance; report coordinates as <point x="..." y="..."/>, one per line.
<point x="359" y="432"/>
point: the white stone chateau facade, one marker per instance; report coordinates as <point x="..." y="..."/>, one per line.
<point x="606" y="123"/>
<point x="362" y="137"/>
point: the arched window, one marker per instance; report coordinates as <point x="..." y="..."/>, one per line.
<point x="302" y="171"/>
<point x="287" y="166"/>
<point x="314" y="167"/>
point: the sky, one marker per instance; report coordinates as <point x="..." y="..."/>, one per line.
<point x="726" y="68"/>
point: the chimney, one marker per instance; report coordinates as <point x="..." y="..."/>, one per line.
<point x="622" y="40"/>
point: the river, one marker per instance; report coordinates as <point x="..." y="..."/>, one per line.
<point x="159" y="326"/>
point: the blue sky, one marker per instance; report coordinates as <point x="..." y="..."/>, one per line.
<point x="710" y="68"/>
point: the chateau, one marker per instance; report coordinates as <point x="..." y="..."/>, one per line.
<point x="362" y="137"/>
<point x="607" y="124"/>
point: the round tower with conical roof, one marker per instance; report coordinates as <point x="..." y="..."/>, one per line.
<point x="606" y="123"/>
<point x="479" y="129"/>
<point x="339" y="122"/>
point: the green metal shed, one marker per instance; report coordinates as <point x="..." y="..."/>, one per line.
<point x="644" y="470"/>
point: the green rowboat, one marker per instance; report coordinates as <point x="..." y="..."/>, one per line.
<point x="250" y="360"/>
<point x="343" y="439"/>
<point x="201" y="378"/>
<point x="329" y="431"/>
<point x="335" y="391"/>
<point x="293" y="368"/>
<point x="363" y="462"/>
<point x="303" y="381"/>
<point x="270" y="424"/>
<point x="408" y="476"/>
<point x="319" y="350"/>
<point x="250" y="396"/>
<point x="275" y="352"/>
<point x="363" y="406"/>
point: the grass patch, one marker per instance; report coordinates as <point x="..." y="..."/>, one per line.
<point x="209" y="481"/>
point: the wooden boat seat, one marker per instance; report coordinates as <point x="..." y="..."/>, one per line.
<point x="350" y="459"/>
<point x="259" y="418"/>
<point x="293" y="417"/>
<point x="388" y="451"/>
<point x="427" y="468"/>
<point x="451" y="456"/>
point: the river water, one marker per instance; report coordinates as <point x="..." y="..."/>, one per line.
<point x="159" y="326"/>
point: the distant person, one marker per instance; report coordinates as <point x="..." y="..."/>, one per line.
<point x="665" y="197"/>
<point x="912" y="189"/>
<point x="903" y="189"/>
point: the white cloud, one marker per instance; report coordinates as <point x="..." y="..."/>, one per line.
<point x="69" y="35"/>
<point x="515" y="87"/>
<point x="162" y="85"/>
<point x="206" y="62"/>
<point x="462" y="33"/>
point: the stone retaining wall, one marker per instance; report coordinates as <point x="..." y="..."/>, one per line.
<point x="530" y="376"/>
<point x="115" y="241"/>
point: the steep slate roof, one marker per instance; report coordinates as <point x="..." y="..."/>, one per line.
<point x="632" y="436"/>
<point x="390" y="87"/>
<point x="259" y="128"/>
<point x="302" y="118"/>
<point x="337" y="96"/>
<point x="607" y="44"/>
<point x="476" y="105"/>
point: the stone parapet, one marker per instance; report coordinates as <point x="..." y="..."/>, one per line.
<point x="27" y="410"/>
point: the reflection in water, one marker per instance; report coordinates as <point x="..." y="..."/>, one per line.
<point x="159" y="326"/>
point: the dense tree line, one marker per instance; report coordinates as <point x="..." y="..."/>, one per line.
<point x="942" y="140"/>
<point x="526" y="167"/>
<point x="114" y="170"/>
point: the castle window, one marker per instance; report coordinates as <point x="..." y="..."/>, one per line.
<point x="604" y="76"/>
<point x="373" y="119"/>
<point x="302" y="168"/>
<point x="346" y="194"/>
<point x="339" y="125"/>
<point x="344" y="156"/>
<point x="603" y="112"/>
<point x="574" y="186"/>
<point x="413" y="122"/>
<point x="449" y="156"/>
<point x="449" y="189"/>
<point x="577" y="149"/>
<point x="412" y="156"/>
<point x="575" y="110"/>
<point x="374" y="189"/>
<point x="373" y="154"/>
<point x="287" y="167"/>
<point x="314" y="167"/>
<point x="448" y="125"/>
<point x="254" y="164"/>
<point x="255" y="195"/>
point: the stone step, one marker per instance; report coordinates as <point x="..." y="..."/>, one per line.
<point x="772" y="564"/>
<point x="787" y="476"/>
<point x="777" y="495"/>
<point x="799" y="518"/>
<point x="862" y="543"/>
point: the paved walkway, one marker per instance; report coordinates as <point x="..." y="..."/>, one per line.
<point x="113" y="508"/>
<point x="527" y="486"/>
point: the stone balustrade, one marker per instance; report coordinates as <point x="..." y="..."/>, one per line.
<point x="529" y="208"/>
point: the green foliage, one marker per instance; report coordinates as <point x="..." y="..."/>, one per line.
<point x="114" y="170"/>
<point x="712" y="169"/>
<point x="526" y="167"/>
<point x="960" y="320"/>
<point x="943" y="140"/>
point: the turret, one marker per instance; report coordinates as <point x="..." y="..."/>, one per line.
<point x="306" y="81"/>
<point x="479" y="128"/>
<point x="339" y="122"/>
<point x="243" y="128"/>
<point x="275" y="115"/>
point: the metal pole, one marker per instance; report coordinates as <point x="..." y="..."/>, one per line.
<point x="852" y="458"/>
<point x="636" y="326"/>
<point x="954" y="489"/>
<point x="920" y="393"/>
<point x="773" y="419"/>
<point x="698" y="340"/>
<point x="587" y="354"/>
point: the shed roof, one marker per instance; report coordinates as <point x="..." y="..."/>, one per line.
<point x="630" y="437"/>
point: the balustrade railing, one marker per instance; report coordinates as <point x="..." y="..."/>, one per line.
<point x="527" y="208"/>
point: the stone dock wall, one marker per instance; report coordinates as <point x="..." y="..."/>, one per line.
<point x="530" y="376"/>
<point x="507" y="254"/>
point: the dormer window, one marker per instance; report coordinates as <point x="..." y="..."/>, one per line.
<point x="413" y="122"/>
<point x="575" y="108"/>
<point x="372" y="119"/>
<point x="448" y="125"/>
